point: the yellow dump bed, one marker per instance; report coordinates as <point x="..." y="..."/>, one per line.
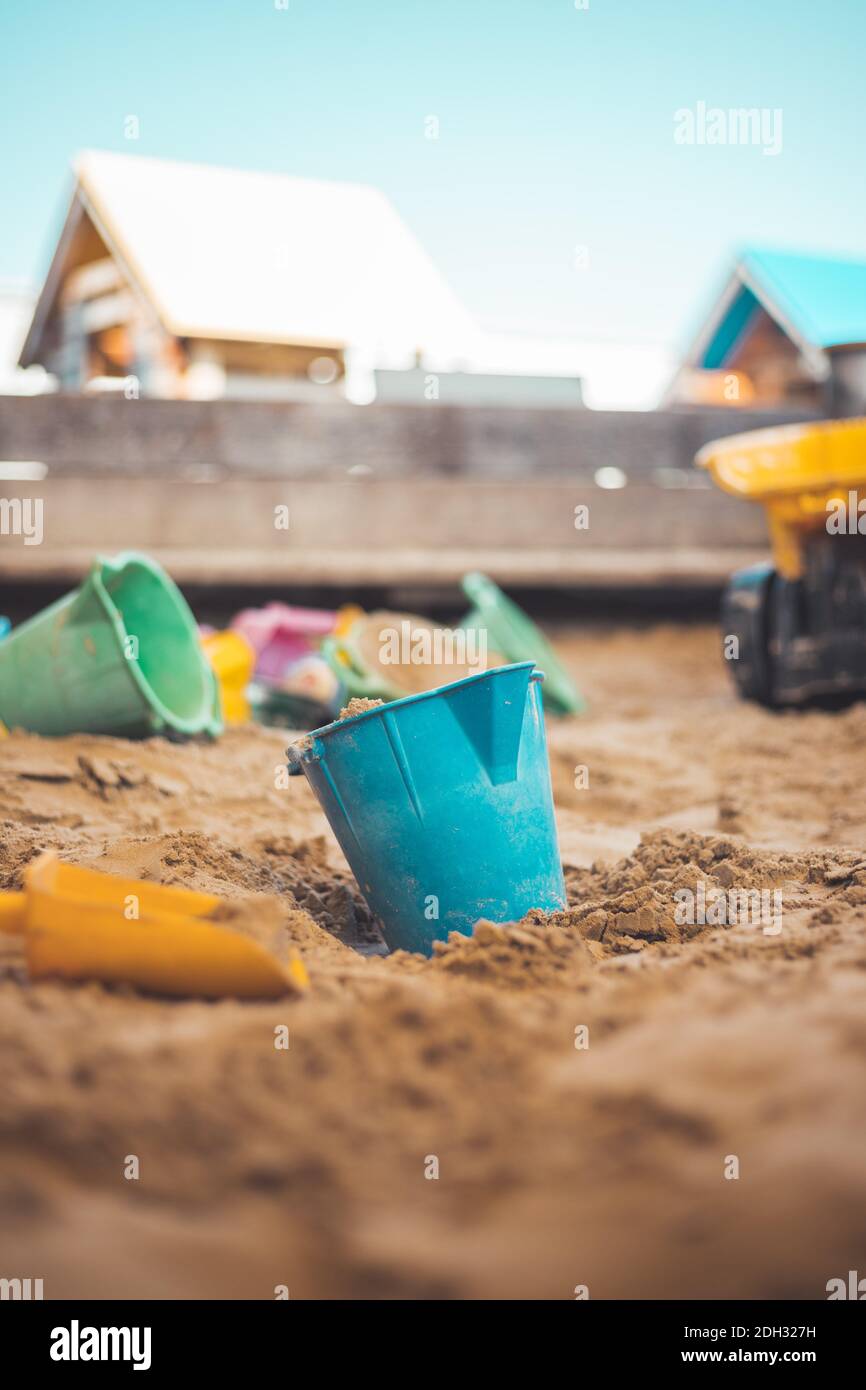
<point x="818" y="457"/>
<point x="797" y="471"/>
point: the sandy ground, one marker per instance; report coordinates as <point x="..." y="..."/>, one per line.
<point x="710" y="1049"/>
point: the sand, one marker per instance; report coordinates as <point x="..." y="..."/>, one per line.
<point x="585" y="1086"/>
<point x="359" y="704"/>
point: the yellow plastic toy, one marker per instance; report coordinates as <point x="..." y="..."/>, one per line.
<point x="800" y="621"/>
<point x="346" y="618"/>
<point x="79" y="924"/>
<point x="232" y="659"/>
<point x="799" y="472"/>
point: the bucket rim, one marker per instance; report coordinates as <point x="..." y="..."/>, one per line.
<point x="304" y="744"/>
<point x="209" y="722"/>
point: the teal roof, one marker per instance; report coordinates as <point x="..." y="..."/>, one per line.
<point x="821" y="298"/>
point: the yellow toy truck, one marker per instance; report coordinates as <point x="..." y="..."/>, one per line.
<point x="800" y="620"/>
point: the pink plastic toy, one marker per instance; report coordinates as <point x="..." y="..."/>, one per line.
<point x="281" y="634"/>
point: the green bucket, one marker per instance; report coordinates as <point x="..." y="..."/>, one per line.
<point x="119" y="655"/>
<point x="512" y="633"/>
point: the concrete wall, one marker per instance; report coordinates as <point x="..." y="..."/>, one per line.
<point x="435" y="491"/>
<point x="368" y="531"/>
<point x="84" y="436"/>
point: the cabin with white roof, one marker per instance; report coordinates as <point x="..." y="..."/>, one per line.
<point x="195" y="282"/>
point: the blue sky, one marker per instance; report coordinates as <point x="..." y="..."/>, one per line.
<point x="556" y="132"/>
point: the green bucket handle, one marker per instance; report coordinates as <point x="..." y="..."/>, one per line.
<point x="344" y="662"/>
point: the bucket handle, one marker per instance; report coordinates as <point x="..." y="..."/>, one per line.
<point x="339" y="656"/>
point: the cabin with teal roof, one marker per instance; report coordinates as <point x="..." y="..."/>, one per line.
<point x="787" y="332"/>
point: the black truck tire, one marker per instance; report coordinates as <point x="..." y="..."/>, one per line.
<point x="745" y="616"/>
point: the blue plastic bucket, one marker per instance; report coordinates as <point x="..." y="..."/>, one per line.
<point x="441" y="803"/>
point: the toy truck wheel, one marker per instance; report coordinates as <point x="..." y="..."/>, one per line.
<point x="745" y="618"/>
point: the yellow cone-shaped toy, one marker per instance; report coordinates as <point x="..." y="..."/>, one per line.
<point x="78" y="924"/>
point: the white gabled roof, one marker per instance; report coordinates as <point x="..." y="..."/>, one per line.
<point x="222" y="253"/>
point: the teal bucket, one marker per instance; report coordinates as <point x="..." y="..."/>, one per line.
<point x="442" y="805"/>
<point x="119" y="655"/>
